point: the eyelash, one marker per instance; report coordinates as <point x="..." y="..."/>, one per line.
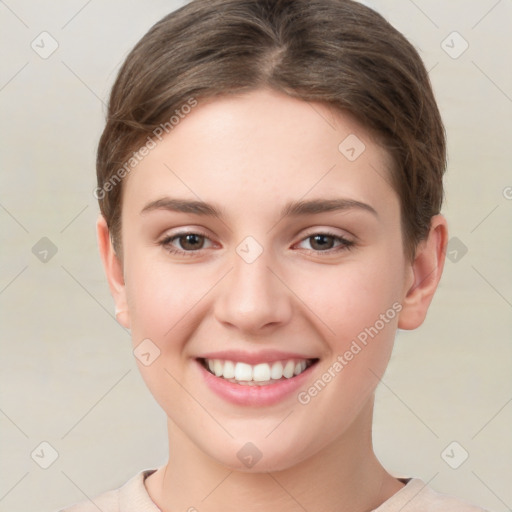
<point x="345" y="244"/>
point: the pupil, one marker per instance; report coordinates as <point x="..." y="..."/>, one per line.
<point x="320" y="239"/>
<point x="191" y="240"/>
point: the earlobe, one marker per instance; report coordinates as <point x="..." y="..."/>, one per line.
<point x="424" y="275"/>
<point x="114" y="271"/>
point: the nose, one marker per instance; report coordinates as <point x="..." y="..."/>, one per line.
<point x="253" y="297"/>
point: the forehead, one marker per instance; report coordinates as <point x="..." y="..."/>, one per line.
<point x="262" y="149"/>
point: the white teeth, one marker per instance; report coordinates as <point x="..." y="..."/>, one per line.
<point x="243" y="371"/>
<point x="229" y="370"/>
<point x="277" y="370"/>
<point x="289" y="369"/>
<point x="262" y="372"/>
<point x="218" y="367"/>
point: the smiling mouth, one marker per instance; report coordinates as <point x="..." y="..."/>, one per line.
<point x="261" y="374"/>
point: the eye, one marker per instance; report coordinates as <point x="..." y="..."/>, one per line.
<point x="189" y="242"/>
<point x="325" y="242"/>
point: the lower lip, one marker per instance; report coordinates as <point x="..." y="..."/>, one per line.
<point x="254" y="395"/>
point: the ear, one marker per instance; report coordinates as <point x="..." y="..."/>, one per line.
<point x="424" y="275"/>
<point x="114" y="271"/>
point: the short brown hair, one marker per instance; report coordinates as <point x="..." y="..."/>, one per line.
<point x="334" y="51"/>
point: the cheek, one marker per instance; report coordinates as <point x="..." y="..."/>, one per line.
<point x="357" y="307"/>
<point x="160" y="295"/>
<point x="351" y="297"/>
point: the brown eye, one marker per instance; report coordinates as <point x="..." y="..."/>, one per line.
<point x="191" y="241"/>
<point x="186" y="244"/>
<point x="322" y="242"/>
<point x="327" y="242"/>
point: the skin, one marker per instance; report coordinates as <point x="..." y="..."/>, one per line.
<point x="250" y="155"/>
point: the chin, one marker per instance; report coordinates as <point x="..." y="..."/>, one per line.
<point x="257" y="457"/>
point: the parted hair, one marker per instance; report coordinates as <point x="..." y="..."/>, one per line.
<point x="338" y="52"/>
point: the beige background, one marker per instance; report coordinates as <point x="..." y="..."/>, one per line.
<point x="69" y="376"/>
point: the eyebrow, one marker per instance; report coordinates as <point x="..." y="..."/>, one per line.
<point x="291" y="209"/>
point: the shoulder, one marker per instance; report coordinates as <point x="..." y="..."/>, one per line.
<point x="417" y="496"/>
<point x="132" y="496"/>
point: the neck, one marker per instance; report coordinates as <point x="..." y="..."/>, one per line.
<point x="344" y="476"/>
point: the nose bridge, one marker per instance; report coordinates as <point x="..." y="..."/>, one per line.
<point x="253" y="296"/>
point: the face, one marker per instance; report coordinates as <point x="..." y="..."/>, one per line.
<point x="264" y="266"/>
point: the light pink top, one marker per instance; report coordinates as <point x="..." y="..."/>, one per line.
<point x="415" y="496"/>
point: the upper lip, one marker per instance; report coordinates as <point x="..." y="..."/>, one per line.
<point x="262" y="356"/>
